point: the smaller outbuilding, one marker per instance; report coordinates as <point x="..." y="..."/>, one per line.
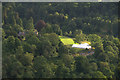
<point x="82" y="46"/>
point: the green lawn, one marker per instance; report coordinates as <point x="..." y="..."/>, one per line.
<point x="66" y="40"/>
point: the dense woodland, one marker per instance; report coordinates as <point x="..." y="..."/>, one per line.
<point x="31" y="47"/>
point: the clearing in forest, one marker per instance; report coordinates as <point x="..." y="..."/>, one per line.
<point x="67" y="40"/>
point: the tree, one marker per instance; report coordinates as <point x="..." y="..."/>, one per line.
<point x="80" y="38"/>
<point x="93" y="66"/>
<point x="69" y="61"/>
<point x="109" y="48"/>
<point x="20" y="22"/>
<point x="108" y="43"/>
<point x="98" y="74"/>
<point x="117" y="42"/>
<point x="29" y="24"/>
<point x="94" y="38"/>
<point x="77" y="32"/>
<point x="9" y="44"/>
<point x="27" y="47"/>
<point x="102" y="57"/>
<point x="28" y="72"/>
<point x="62" y="71"/>
<point x="49" y="45"/>
<point x="62" y="49"/>
<point x="86" y="76"/>
<point x="11" y="18"/>
<point x="17" y="42"/>
<point x="111" y="56"/>
<point x="53" y="38"/>
<point x="17" y="71"/>
<point x="47" y="29"/>
<point x="56" y="29"/>
<point x="98" y="49"/>
<point x="82" y="64"/>
<point x="9" y="30"/>
<point x="117" y="71"/>
<point x="42" y="68"/>
<point x="17" y="28"/>
<point x="47" y="49"/>
<point x="43" y="55"/>
<point x="19" y="52"/>
<point x="33" y="40"/>
<point x="3" y="34"/>
<point x="66" y="33"/>
<point x="40" y="24"/>
<point x="26" y="59"/>
<point x="105" y="69"/>
<point x="12" y="67"/>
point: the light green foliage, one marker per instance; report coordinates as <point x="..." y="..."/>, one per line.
<point x="56" y="13"/>
<point x="98" y="74"/>
<point x="94" y="38"/>
<point x="66" y="40"/>
<point x="116" y="41"/>
<point x="109" y="48"/>
<point x="104" y="67"/>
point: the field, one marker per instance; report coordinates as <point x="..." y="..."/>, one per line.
<point x="66" y="40"/>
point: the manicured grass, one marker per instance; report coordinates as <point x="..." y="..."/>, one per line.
<point x="66" y="40"/>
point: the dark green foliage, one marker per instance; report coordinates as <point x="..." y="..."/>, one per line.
<point x="29" y="24"/>
<point x="10" y="44"/>
<point x="63" y="71"/>
<point x="82" y="64"/>
<point x="13" y="67"/>
<point x="39" y="53"/>
<point x="42" y="68"/>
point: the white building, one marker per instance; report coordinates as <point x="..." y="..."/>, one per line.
<point x="82" y="46"/>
